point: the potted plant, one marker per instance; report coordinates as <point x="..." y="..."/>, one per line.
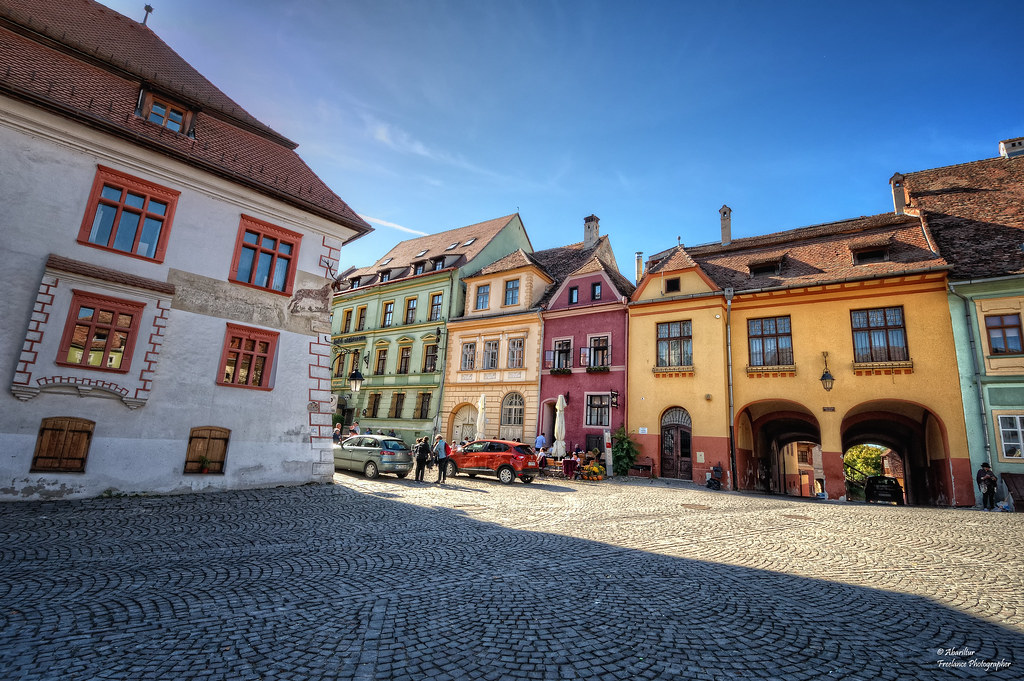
<point x="204" y="464"/>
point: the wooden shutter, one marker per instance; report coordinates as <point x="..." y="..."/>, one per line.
<point x="63" y="444"/>
<point x="208" y="441"/>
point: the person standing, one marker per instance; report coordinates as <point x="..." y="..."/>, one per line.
<point x="422" y="454"/>
<point x="987" y="483"/>
<point x="336" y="436"/>
<point x="441" y="456"/>
<point x="540" y="442"/>
<point x="354" y="428"/>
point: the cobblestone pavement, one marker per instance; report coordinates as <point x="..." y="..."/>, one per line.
<point x="617" y="580"/>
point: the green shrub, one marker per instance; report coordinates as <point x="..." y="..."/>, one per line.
<point x="624" y="452"/>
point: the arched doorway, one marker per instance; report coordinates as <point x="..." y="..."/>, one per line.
<point x="512" y="407"/>
<point x="779" y="449"/>
<point x="676" y="458"/>
<point x="916" y="436"/>
<point x="464" y="423"/>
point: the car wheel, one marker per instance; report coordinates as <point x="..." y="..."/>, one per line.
<point x="370" y="470"/>
<point x="451" y="470"/>
<point x="527" y="479"/>
<point x="506" y="474"/>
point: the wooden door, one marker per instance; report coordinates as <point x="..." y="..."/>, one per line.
<point x="676" y="461"/>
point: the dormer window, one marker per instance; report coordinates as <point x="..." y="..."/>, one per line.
<point x="870" y="255"/>
<point x="385" y="276"/>
<point x="469" y="241"/>
<point x="419" y="267"/>
<point x="439" y="264"/>
<point x="165" y="113"/>
<point x="355" y="282"/>
<point x="768" y="267"/>
<point x="452" y="246"/>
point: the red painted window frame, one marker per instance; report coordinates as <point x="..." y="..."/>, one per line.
<point x="124" y="182"/>
<point x="116" y="305"/>
<point x="265" y="229"/>
<point x="256" y="335"/>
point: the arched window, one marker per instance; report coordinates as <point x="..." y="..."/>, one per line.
<point x="512" y="410"/>
<point x="512" y="417"/>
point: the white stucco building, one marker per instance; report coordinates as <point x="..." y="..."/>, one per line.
<point x="166" y="262"/>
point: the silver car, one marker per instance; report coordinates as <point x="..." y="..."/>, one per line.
<point x="373" y="455"/>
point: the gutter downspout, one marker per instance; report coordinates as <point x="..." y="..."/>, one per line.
<point x="444" y="357"/>
<point x="732" y="407"/>
<point x="977" y="374"/>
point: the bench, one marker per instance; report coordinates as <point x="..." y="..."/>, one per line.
<point x="643" y="467"/>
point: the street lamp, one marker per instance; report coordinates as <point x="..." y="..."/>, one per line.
<point x="827" y="379"/>
<point x="355" y="379"/>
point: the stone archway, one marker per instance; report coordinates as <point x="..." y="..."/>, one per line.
<point x="917" y="436"/>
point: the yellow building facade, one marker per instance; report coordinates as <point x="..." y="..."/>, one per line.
<point x="728" y="348"/>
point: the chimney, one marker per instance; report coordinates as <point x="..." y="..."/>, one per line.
<point x="726" y="214"/>
<point x="899" y="196"/>
<point x="639" y="266"/>
<point x="1011" y="148"/>
<point x="591" y="231"/>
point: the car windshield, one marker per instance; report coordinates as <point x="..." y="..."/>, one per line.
<point x="393" y="445"/>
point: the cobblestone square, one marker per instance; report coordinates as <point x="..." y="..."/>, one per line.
<point x="619" y="579"/>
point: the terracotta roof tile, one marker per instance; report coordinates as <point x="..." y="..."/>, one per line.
<point x="819" y="254"/>
<point x="84" y="61"/>
<point x="976" y="212"/>
<point x="514" y="260"/>
<point x="469" y="240"/>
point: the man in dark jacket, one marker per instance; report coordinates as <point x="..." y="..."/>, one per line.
<point x="441" y="456"/>
<point x="987" y="483"/>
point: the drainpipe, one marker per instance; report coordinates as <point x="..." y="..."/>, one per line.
<point x="977" y="373"/>
<point x="732" y="407"/>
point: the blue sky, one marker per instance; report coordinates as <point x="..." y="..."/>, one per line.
<point x="429" y="115"/>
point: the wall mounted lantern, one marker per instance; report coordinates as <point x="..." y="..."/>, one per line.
<point x="827" y="379"/>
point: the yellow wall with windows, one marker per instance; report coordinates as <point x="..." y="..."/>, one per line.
<point x="820" y="322"/>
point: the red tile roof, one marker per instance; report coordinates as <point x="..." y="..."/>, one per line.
<point x="87" y="62"/>
<point x="813" y="255"/>
<point x="976" y="212"/>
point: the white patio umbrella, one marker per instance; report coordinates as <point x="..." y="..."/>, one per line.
<point x="481" y="418"/>
<point x="558" y="446"/>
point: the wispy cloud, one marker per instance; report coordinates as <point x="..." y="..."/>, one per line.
<point x="392" y="225"/>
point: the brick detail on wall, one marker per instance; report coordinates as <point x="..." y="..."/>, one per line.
<point x="34" y="336"/>
<point x="319" y="393"/>
<point x="152" y="349"/>
<point x="330" y="256"/>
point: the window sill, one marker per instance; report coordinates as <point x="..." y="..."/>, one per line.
<point x="678" y="370"/>
<point x="244" y="387"/>
<point x="158" y="258"/>
<point x="598" y="370"/>
<point x="560" y="372"/>
<point x="882" y="368"/>
<point x="286" y="292"/>
<point x="787" y="369"/>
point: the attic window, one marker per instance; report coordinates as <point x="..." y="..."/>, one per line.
<point x="439" y="264"/>
<point x="870" y="255"/>
<point x="672" y="285"/>
<point x="355" y="282"/>
<point x="765" y="269"/>
<point x="165" y="113"/>
<point x="419" y="267"/>
<point x="469" y="241"/>
<point x="385" y="276"/>
<point x="422" y="253"/>
<point x="452" y="246"/>
<point x="386" y="262"/>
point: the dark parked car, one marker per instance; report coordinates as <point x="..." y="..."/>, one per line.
<point x="503" y="459"/>
<point x="373" y="455"/>
<point x="883" y="488"/>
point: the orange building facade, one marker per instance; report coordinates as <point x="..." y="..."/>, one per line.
<point x="731" y="344"/>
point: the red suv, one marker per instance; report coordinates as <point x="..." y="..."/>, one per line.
<point x="501" y="458"/>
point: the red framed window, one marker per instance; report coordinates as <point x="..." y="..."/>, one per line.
<point x="100" y="332"/>
<point x="248" y="357"/>
<point x="128" y="215"/>
<point x="265" y="256"/>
